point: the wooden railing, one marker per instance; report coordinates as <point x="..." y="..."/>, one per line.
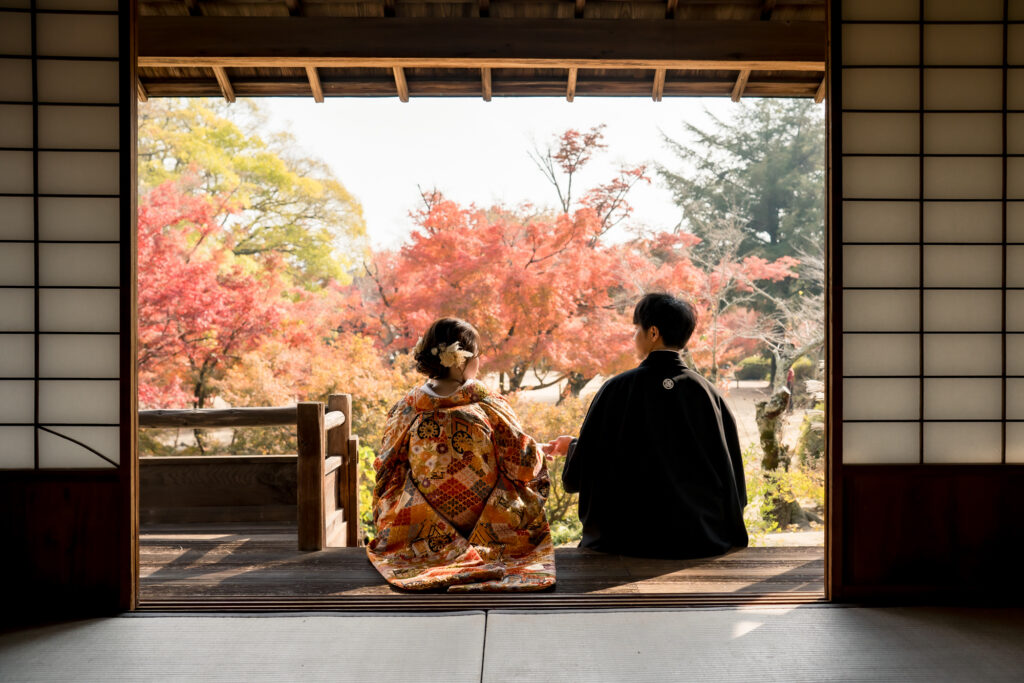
<point x="327" y="509"/>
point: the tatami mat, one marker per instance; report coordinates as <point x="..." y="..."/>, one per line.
<point x="370" y="649"/>
<point x="773" y="644"/>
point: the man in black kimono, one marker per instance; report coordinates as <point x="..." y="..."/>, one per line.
<point x="657" y="463"/>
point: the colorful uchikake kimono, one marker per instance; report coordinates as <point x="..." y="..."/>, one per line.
<point x="459" y="500"/>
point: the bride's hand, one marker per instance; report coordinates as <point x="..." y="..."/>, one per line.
<point x="557" y="447"/>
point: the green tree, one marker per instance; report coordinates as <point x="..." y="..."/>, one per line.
<point x="292" y="207"/>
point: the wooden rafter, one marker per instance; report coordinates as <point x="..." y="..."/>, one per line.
<point x="659" y="85"/>
<point x="740" y="85"/>
<point x="400" y="85"/>
<point x="314" y="83"/>
<point x="140" y="90"/>
<point x="226" y="90"/>
<point x="470" y="43"/>
<point x="570" y="88"/>
<point x="819" y="94"/>
<point x="485" y="83"/>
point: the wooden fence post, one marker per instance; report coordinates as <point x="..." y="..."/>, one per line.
<point x="310" y="494"/>
<point x="337" y="486"/>
<point x="351" y="492"/>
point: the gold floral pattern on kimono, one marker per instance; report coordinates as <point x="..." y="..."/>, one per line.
<point x="459" y="499"/>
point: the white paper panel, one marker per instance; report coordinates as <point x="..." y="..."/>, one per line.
<point x="17" y="310"/>
<point x="17" y="355"/>
<point x="1015" y="354"/>
<point x="79" y="218"/>
<point x="16" y="265"/>
<point x="880" y="10"/>
<point x="883" y="88"/>
<point x="948" y="45"/>
<point x="1015" y="133"/>
<point x="963" y="399"/>
<point x="76" y="35"/>
<point x="16" y="80"/>
<point x="57" y="453"/>
<point x="1015" y="178"/>
<point x="963" y="178"/>
<point x="880" y="221"/>
<point x="17" y="448"/>
<point x="881" y="311"/>
<point x="79" y="310"/>
<point x="15" y="125"/>
<point x="78" y="172"/>
<point x="963" y="354"/>
<point x="963" y="89"/>
<point x="1015" y="266"/>
<point x="963" y="133"/>
<point x="881" y="44"/>
<point x="1015" y="399"/>
<point x="1015" y="221"/>
<point x="16" y="218"/>
<point x="79" y="265"/>
<point x="16" y="172"/>
<point x="16" y="33"/>
<point x="1015" y="442"/>
<point x="16" y="401"/>
<point x="880" y="133"/>
<point x="78" y="401"/>
<point x="78" y="355"/>
<point x="880" y="266"/>
<point x="1015" y="311"/>
<point x="880" y="177"/>
<point x="966" y="442"/>
<point x="78" y="127"/>
<point x="958" y="10"/>
<point x="1015" y="44"/>
<point x="963" y="222"/>
<point x="881" y="399"/>
<point x="69" y="81"/>
<point x="963" y="266"/>
<point x="1015" y="89"/>
<point x="881" y="354"/>
<point x="882" y="443"/>
<point x="963" y="311"/>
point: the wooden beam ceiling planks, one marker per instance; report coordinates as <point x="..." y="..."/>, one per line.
<point x="740" y="86"/>
<point x="570" y="88"/>
<point x="485" y="83"/>
<point x="658" y="89"/>
<point x="314" y="84"/>
<point x="225" y="84"/>
<point x="400" y="85"/>
<point x="819" y="94"/>
<point x="470" y="43"/>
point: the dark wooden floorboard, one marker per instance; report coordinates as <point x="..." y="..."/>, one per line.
<point x="260" y="560"/>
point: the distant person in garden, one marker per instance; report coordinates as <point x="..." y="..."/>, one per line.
<point x="657" y="463"/>
<point x="459" y="499"/>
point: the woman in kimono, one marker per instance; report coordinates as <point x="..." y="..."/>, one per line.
<point x="459" y="499"/>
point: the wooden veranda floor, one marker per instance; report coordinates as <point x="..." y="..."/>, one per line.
<point x="257" y="566"/>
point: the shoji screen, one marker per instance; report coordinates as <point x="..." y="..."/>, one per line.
<point x="61" y="218"/>
<point x="931" y="106"/>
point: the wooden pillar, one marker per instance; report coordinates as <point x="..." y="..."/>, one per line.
<point x="310" y="494"/>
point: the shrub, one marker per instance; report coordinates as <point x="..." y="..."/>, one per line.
<point x="753" y="368"/>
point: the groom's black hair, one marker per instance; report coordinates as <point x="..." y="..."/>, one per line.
<point x="674" y="318"/>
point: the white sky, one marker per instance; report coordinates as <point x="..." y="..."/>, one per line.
<point x="476" y="151"/>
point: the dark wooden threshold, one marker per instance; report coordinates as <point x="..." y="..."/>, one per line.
<point x="256" y="567"/>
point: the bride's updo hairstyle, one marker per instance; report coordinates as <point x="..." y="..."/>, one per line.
<point x="444" y="331"/>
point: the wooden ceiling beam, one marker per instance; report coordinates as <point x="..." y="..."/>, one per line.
<point x="314" y="84"/>
<point x="570" y="88"/>
<point x="400" y="84"/>
<point x="819" y="94"/>
<point x="485" y="83"/>
<point x="470" y="43"/>
<point x="658" y="89"/>
<point x="224" y="82"/>
<point x="740" y="85"/>
<point x="140" y="90"/>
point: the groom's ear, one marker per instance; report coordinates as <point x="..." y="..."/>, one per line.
<point x="653" y="333"/>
